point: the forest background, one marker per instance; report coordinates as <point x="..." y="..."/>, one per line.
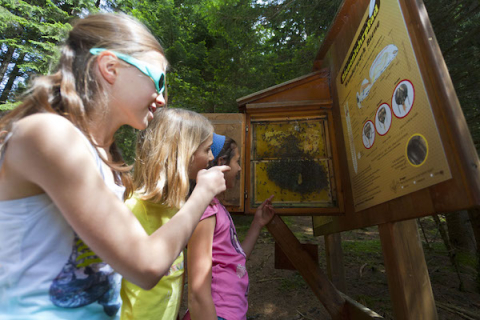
<point x="221" y="50"/>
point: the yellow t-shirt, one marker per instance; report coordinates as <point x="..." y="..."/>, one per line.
<point x="163" y="301"/>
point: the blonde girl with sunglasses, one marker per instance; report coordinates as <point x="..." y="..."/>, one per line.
<point x="65" y="233"/>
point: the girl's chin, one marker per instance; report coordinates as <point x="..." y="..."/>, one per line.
<point x="139" y="126"/>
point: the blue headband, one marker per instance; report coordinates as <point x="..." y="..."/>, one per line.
<point x="217" y="145"/>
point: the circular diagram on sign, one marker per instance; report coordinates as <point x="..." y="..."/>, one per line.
<point x="383" y="119"/>
<point x="417" y="150"/>
<point x="368" y="134"/>
<point x="403" y="99"/>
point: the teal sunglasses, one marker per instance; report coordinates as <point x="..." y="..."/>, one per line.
<point x="155" y="74"/>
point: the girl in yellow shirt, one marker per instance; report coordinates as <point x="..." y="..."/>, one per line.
<point x="170" y="152"/>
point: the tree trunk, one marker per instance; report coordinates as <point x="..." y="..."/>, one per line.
<point x="6" y="61"/>
<point x="460" y="231"/>
<point x="474" y="215"/>
<point x="11" y="79"/>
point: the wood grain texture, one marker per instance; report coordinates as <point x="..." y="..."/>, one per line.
<point x="407" y="273"/>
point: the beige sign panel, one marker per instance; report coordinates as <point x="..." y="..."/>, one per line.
<point x="392" y="140"/>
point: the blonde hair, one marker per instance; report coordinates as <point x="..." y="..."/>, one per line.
<point x="164" y="153"/>
<point x="73" y="90"/>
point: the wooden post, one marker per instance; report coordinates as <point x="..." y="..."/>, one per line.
<point x="334" y="258"/>
<point x="331" y="299"/>
<point x="407" y="273"/>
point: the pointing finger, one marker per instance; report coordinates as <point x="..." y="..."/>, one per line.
<point x="223" y="168"/>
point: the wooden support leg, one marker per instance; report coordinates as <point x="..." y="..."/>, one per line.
<point x="333" y="302"/>
<point x="407" y="273"/>
<point x="334" y="258"/>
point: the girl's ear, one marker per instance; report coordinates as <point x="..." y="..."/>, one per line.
<point x="222" y="161"/>
<point x="107" y="65"/>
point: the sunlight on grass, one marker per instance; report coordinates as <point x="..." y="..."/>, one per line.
<point x="467" y="259"/>
<point x="363" y="246"/>
<point x="9" y="105"/>
<point x="292" y="283"/>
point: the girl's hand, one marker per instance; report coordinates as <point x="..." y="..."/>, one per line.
<point x="212" y="180"/>
<point x="264" y="213"/>
<point x="263" y="216"/>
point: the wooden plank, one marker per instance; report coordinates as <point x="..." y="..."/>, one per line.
<point x="266" y="105"/>
<point x="233" y="126"/>
<point x="407" y="273"/>
<point x="415" y="205"/>
<point x="334" y="258"/>
<point x="326" y="292"/>
<point x="337" y="168"/>
<point x="358" y="311"/>
<point x="286" y="90"/>
<point x="282" y="261"/>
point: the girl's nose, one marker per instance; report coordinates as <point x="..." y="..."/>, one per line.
<point x="160" y="100"/>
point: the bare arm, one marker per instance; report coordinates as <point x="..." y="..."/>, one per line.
<point x="46" y="151"/>
<point x="199" y="267"/>
<point x="263" y="215"/>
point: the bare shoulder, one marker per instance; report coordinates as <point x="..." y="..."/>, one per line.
<point x="41" y="146"/>
<point x="43" y="142"/>
<point x="43" y="126"/>
<point x="44" y="135"/>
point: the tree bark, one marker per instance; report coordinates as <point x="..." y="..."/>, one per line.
<point x="474" y="215"/>
<point x="460" y="231"/>
<point x="11" y="79"/>
<point x="5" y="62"/>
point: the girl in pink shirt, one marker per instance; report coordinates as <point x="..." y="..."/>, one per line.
<point x="217" y="276"/>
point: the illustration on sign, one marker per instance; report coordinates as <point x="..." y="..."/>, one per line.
<point x="391" y="136"/>
<point x="382" y="61"/>
<point x="403" y="98"/>
<point x="383" y="119"/>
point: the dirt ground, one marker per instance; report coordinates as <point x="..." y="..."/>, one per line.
<point x="284" y="295"/>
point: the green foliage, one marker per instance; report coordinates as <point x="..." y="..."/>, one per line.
<point x="467" y="259"/>
<point x="365" y="300"/>
<point x="220" y="51"/>
<point x="34" y="29"/>
<point x="293" y="283"/>
<point x="8" y="106"/>
<point x="363" y="246"/>
<point x="125" y="138"/>
<point x="457" y="29"/>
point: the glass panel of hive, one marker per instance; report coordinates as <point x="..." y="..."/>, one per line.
<point x="290" y="160"/>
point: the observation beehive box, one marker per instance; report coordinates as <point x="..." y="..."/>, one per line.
<point x="285" y="134"/>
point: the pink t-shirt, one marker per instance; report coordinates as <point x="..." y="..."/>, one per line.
<point x="229" y="275"/>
